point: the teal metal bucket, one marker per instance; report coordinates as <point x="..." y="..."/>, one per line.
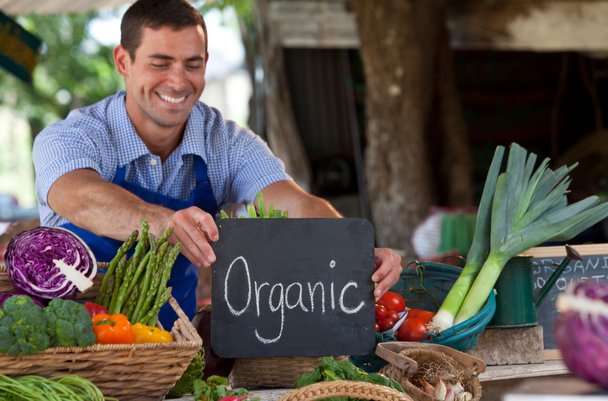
<point x="425" y="287"/>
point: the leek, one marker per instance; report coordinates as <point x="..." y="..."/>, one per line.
<point x="478" y="252"/>
<point x="529" y="208"/>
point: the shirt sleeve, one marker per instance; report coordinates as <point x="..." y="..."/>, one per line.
<point x="243" y="160"/>
<point x="57" y="150"/>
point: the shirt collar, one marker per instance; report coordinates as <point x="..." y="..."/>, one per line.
<point x="131" y="145"/>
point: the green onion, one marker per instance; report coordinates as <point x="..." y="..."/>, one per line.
<point x="444" y="318"/>
<point x="529" y="208"/>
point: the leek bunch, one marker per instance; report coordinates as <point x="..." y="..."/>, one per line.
<point x="528" y="207"/>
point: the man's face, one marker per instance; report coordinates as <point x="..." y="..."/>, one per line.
<point x="166" y="78"/>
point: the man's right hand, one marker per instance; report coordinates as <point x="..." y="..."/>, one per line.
<point x="196" y="230"/>
<point x="106" y="209"/>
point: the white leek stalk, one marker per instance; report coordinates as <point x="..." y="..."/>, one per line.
<point x="477" y="254"/>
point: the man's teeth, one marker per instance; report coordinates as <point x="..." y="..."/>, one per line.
<point x="172" y="99"/>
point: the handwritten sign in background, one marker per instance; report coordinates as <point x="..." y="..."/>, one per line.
<point x="265" y="273"/>
<point x="594" y="267"/>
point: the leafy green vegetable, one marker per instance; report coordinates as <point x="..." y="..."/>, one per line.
<point x="216" y="387"/>
<point x="329" y="369"/>
<point x="194" y="371"/>
<point x="23" y="327"/>
<point x="530" y="207"/>
<point x="69" y="323"/>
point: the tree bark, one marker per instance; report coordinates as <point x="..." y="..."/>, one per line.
<point x="415" y="131"/>
<point x="281" y="129"/>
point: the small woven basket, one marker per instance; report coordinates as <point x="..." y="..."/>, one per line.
<point x="409" y="361"/>
<point x="275" y="372"/>
<point x="345" y="388"/>
<point x="143" y="372"/>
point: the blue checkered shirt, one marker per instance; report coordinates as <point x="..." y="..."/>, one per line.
<point x="101" y="137"/>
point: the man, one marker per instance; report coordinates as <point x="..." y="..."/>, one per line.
<point x="156" y="152"/>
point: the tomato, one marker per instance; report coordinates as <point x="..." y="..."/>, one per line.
<point x="425" y="315"/>
<point x="386" y="324"/>
<point x="392" y="301"/>
<point x="377" y="328"/>
<point x="381" y="312"/>
<point x="412" y="329"/>
<point x="391" y="314"/>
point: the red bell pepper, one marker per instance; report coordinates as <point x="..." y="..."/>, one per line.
<point x="94" y="309"/>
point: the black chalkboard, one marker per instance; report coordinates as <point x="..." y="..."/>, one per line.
<point x="593" y="266"/>
<point x="265" y="273"/>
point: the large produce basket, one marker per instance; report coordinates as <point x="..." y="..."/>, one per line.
<point x="125" y="371"/>
<point x="275" y="372"/>
<point x="424" y="285"/>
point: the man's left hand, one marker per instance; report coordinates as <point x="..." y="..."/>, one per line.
<point x="387" y="270"/>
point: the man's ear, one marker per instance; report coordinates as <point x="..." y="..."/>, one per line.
<point x="121" y="60"/>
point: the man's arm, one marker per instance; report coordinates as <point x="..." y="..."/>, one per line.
<point x="287" y="195"/>
<point x="84" y="198"/>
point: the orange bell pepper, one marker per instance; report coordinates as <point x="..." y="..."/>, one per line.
<point x="112" y="329"/>
<point x="150" y="334"/>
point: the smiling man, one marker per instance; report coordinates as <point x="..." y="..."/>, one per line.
<point x="155" y="152"/>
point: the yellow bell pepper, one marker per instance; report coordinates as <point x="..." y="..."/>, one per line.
<point x="150" y="334"/>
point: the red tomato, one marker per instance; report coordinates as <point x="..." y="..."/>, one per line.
<point x="386" y="324"/>
<point x="381" y="312"/>
<point x="377" y="328"/>
<point x="412" y="329"/>
<point x="392" y="301"/>
<point x="391" y="314"/>
<point x="425" y="315"/>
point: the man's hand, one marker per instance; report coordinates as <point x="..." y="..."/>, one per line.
<point x="195" y="229"/>
<point x="387" y="270"/>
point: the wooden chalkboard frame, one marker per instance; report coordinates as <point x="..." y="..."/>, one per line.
<point x="594" y="266"/>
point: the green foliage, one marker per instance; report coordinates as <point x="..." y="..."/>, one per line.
<point x="215" y="388"/>
<point x="243" y="8"/>
<point x="194" y="371"/>
<point x="69" y="323"/>
<point x="330" y="369"/>
<point x="261" y="211"/>
<point x="73" y="70"/>
<point x="23" y="327"/>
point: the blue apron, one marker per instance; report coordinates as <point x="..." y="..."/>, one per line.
<point x="184" y="276"/>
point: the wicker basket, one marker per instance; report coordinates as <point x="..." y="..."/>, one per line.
<point x="409" y="360"/>
<point x="275" y="372"/>
<point x="345" y="388"/>
<point x="125" y="371"/>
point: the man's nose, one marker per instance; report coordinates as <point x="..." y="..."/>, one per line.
<point x="178" y="78"/>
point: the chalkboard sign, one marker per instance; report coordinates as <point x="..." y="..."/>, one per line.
<point x="594" y="266"/>
<point x="293" y="287"/>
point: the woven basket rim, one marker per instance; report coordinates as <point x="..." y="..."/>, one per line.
<point x="345" y="388"/>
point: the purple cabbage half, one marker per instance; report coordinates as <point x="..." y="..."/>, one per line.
<point x="581" y="331"/>
<point x="50" y="262"/>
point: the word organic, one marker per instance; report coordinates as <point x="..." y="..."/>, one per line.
<point x="275" y="298"/>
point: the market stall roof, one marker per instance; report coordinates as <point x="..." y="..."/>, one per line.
<point x="23" y="7"/>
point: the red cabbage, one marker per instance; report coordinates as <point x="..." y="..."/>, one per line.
<point x="49" y="262"/>
<point x="581" y="331"/>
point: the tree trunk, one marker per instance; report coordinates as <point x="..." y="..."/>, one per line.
<point x="281" y="130"/>
<point x="415" y="133"/>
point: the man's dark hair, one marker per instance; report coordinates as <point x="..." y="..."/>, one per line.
<point x="176" y="14"/>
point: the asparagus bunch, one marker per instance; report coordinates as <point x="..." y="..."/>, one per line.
<point x="136" y="285"/>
